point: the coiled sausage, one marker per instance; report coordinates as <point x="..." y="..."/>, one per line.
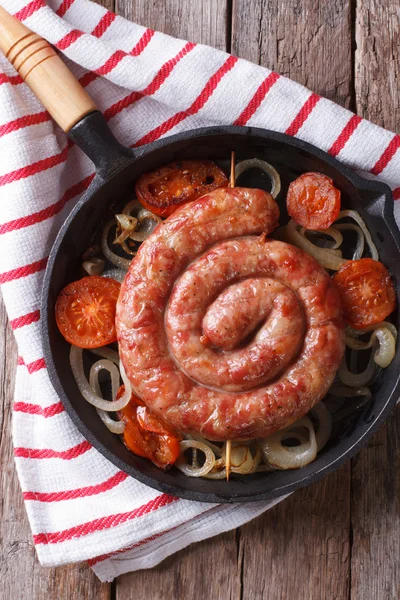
<point x="222" y="331"/>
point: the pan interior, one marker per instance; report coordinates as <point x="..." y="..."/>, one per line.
<point x="291" y="159"/>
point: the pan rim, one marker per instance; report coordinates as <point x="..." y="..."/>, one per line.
<point x="174" y="489"/>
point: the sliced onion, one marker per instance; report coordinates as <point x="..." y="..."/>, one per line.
<point x="113" y="426"/>
<point x="118" y="261"/>
<point x="107" y="365"/>
<point x="324" y="430"/>
<point x="386" y="349"/>
<point x="367" y="377"/>
<point x="88" y="392"/>
<point x="117" y="274"/>
<point x="256" y="163"/>
<point x="126" y="221"/>
<point x="148" y="223"/>
<point x="353" y="214"/>
<point x="294" y="457"/>
<point x="238" y="465"/>
<point x="242" y="460"/>
<point x="216" y="449"/>
<point x="331" y="232"/>
<point x="94" y="266"/>
<point x="133" y="206"/>
<point x="190" y="470"/>
<point x="218" y="471"/>
<point x="127" y="224"/>
<point x="358" y="252"/>
<point x="322" y="255"/>
<point x="108" y="353"/>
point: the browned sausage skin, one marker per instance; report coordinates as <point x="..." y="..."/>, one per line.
<point x="223" y="332"/>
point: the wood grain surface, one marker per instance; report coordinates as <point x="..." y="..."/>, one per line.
<point x="306" y="40"/>
<point x="338" y="539"/>
<point x="375" y="497"/>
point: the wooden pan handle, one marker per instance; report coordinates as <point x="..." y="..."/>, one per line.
<point x="44" y="71"/>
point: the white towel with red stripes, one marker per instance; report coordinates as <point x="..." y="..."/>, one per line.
<point x="148" y="85"/>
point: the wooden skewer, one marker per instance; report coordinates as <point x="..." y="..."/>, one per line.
<point x="232" y="176"/>
<point x="228" y="458"/>
<point x="229" y="442"/>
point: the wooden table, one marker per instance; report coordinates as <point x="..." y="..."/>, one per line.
<point x="338" y="539"/>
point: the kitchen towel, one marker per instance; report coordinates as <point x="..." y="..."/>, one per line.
<point x="148" y="85"/>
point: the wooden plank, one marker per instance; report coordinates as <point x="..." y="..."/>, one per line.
<point x="21" y="575"/>
<point x="375" y="570"/>
<point x="300" y="549"/>
<point x="202" y="21"/>
<point x="308" y="41"/>
<point x="205" y="570"/>
<point x="375" y="517"/>
<point x="377" y="66"/>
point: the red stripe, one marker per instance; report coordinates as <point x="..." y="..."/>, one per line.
<point x="116" y="58"/>
<point x="256" y="100"/>
<point x="34" y="168"/>
<point x="166" y="70"/>
<point x="83" y="492"/>
<point x="153" y="86"/>
<point x="34" y="366"/>
<point x="121" y="104"/>
<point x="69" y="454"/>
<point x="12" y="79"/>
<point x="142" y="43"/>
<point x="25" y="319"/>
<point x="303" y="114"/>
<point x="387" y="156"/>
<point x="104" y="522"/>
<point x="35" y="409"/>
<point x="29" y="9"/>
<point x="23" y="271"/>
<point x="26" y="121"/>
<point x="50" y="211"/>
<point x="396" y="194"/>
<point x="104" y="24"/>
<point x="344" y="137"/>
<point x="194" y="108"/>
<point x="108" y="66"/>
<point x="69" y="39"/>
<point x="64" y="6"/>
<point x="75" y="34"/>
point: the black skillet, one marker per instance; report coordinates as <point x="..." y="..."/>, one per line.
<point x="117" y="170"/>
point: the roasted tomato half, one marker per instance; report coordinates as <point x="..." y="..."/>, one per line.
<point x="85" y="311"/>
<point x="313" y="201"/>
<point x="146" y="435"/>
<point x="162" y="191"/>
<point x="367" y="292"/>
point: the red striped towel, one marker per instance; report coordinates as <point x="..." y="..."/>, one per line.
<point x="148" y="85"/>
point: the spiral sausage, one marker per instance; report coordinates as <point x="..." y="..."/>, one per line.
<point x="223" y="332"/>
